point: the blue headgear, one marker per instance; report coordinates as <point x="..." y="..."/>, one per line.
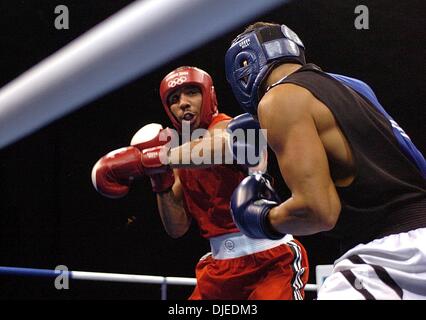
<point x="252" y="57"/>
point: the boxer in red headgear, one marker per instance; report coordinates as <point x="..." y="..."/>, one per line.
<point x="238" y="267"/>
<point x="190" y="76"/>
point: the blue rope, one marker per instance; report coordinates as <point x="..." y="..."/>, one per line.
<point x="32" y="272"/>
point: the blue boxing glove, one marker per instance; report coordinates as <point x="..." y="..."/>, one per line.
<point x="250" y="205"/>
<point x="246" y="140"/>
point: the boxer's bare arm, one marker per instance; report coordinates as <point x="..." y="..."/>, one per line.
<point x="176" y="220"/>
<point x="314" y="205"/>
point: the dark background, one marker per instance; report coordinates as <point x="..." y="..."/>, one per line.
<point x="49" y="212"/>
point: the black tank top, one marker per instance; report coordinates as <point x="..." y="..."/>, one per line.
<point x="388" y="194"/>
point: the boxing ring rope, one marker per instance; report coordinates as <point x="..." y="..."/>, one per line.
<point x="130" y="43"/>
<point x="111" y="277"/>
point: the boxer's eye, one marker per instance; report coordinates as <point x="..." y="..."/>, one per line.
<point x="172" y="99"/>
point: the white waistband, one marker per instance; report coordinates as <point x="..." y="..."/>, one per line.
<point x="234" y="245"/>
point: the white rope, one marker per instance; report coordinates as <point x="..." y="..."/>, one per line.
<point x="311" y="287"/>
<point x="133" y="278"/>
<point x="140" y="37"/>
<point x="115" y="277"/>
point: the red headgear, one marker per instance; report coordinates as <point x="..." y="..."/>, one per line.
<point x="184" y="76"/>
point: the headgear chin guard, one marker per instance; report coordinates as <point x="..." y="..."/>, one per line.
<point x="252" y="56"/>
<point x="184" y="76"/>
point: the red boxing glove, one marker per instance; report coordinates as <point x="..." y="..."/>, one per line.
<point x="114" y="172"/>
<point x="151" y="140"/>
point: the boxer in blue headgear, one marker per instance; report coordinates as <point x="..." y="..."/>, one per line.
<point x="252" y="56"/>
<point x="325" y="130"/>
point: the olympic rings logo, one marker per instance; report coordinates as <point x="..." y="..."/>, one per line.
<point x="177" y="81"/>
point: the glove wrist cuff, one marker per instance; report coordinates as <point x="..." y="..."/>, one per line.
<point x="163" y="182"/>
<point x="266" y="226"/>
